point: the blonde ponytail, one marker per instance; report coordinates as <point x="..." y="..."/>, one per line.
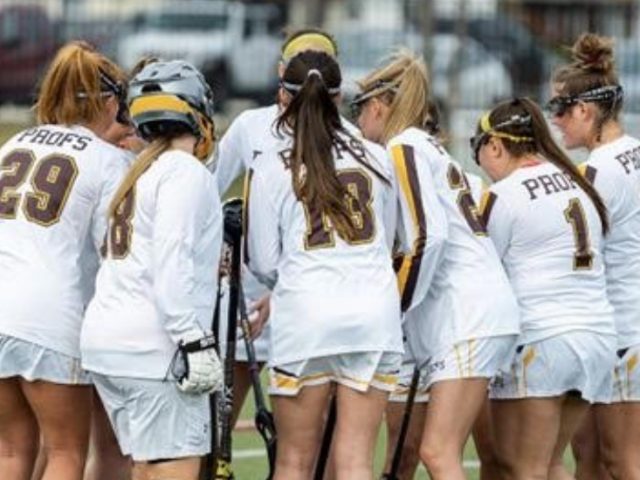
<point x="137" y="168"/>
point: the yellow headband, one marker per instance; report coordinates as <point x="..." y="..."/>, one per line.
<point x="485" y="126"/>
<point x="308" y="41"/>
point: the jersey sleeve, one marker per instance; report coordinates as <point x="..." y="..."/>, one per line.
<point x="262" y="247"/>
<point x="497" y="217"/>
<point x="422" y="226"/>
<point x="182" y="208"/>
<point x="231" y="155"/>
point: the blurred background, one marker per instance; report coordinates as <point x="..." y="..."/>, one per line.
<point x="478" y="51"/>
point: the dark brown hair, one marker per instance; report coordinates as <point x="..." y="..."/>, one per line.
<point x="593" y="66"/>
<point x="313" y="79"/>
<point x="542" y="143"/>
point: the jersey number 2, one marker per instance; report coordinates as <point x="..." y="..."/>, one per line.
<point x="52" y="180"/>
<point x="583" y="256"/>
<point x="320" y="234"/>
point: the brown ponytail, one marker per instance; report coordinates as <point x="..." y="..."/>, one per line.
<point x="593" y="67"/>
<point x="541" y="143"/>
<point x="313" y="79"/>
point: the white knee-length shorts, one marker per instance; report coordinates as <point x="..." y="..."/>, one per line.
<point x="153" y="420"/>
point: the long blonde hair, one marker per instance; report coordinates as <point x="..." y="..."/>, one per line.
<point x="403" y="83"/>
<point x="143" y="161"/>
<point x="71" y="91"/>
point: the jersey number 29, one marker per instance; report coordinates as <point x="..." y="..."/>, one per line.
<point x="52" y="179"/>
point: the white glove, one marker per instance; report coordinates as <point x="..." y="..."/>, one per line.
<point x="202" y="368"/>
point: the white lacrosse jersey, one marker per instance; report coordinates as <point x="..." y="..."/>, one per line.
<point x="614" y="170"/>
<point x="56" y="183"/>
<point x="468" y="295"/>
<point x="249" y="136"/>
<point x="329" y="296"/>
<point x="549" y="236"/>
<point x="158" y="280"/>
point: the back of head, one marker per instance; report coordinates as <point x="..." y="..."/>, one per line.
<point x="403" y="83"/>
<point x="305" y="39"/>
<point x="523" y="130"/>
<point x="77" y="85"/>
<point x="591" y="69"/>
<point x="167" y="100"/>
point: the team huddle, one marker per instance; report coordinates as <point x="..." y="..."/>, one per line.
<point x="382" y="278"/>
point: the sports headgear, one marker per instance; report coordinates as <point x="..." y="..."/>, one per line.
<point x="558" y="105"/>
<point x="173" y="92"/>
<point x="308" y="41"/>
<point x="488" y="131"/>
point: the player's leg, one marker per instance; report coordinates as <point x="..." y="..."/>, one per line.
<point x="619" y="424"/>
<point x="485" y="444"/>
<point x="299" y="421"/>
<point x="241" y="386"/>
<point x="453" y="407"/>
<point x="585" y="446"/>
<point x="63" y="413"/>
<point x="574" y="410"/>
<point x="19" y="438"/>
<point x="177" y="469"/>
<point x="394" y="414"/>
<point x="106" y="461"/>
<point x="357" y="426"/>
<point x="525" y="432"/>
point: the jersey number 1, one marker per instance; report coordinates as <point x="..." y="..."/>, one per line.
<point x="583" y="256"/>
<point x="52" y="180"/>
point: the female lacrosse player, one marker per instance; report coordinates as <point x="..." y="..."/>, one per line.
<point x="246" y="140"/>
<point x="321" y="218"/>
<point x="461" y="318"/>
<point x="586" y="108"/>
<point x="148" y="321"/>
<point x="56" y="180"/>
<point x="547" y="223"/>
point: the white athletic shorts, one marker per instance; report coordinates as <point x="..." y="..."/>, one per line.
<point x="35" y="362"/>
<point x="153" y="420"/>
<point x="626" y="375"/>
<point x="476" y="358"/>
<point x="357" y="370"/>
<point x="577" y="363"/>
<point x="401" y="392"/>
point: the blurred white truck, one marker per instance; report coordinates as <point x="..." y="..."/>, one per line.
<point x="236" y="46"/>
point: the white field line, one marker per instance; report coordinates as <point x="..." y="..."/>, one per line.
<point x="259" y="452"/>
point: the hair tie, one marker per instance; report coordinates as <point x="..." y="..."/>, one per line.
<point x="315" y="71"/>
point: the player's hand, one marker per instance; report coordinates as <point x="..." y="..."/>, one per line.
<point x="259" y="315"/>
<point x="202" y="368"/>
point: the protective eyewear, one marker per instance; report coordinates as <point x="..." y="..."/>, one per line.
<point x="477" y="141"/>
<point x="559" y="105"/>
<point x="358" y="102"/>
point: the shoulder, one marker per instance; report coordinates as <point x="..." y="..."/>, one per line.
<point x="182" y="168"/>
<point x="255" y="116"/>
